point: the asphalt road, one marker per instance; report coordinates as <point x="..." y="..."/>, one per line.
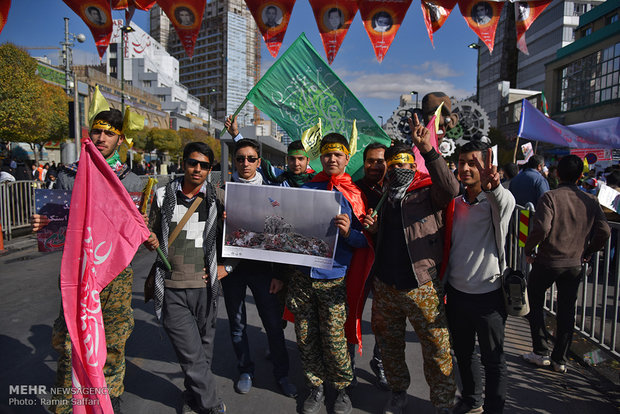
<point x="29" y="303"/>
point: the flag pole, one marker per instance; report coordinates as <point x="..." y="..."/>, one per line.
<point x="379" y="204"/>
<point x="514" y="154"/>
<point x="535" y="147"/>
<point x="245" y="101"/>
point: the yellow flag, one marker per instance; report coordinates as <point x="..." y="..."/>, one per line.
<point x="353" y="139"/>
<point x="97" y="104"/>
<point x="437" y="117"/>
<point x="132" y="121"/>
<point x="586" y="166"/>
<point x="311" y="140"/>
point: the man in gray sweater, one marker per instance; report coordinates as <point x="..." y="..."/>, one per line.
<point x="560" y="256"/>
<point x="475" y="305"/>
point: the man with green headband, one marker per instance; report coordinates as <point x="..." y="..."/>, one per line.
<point x="296" y="160"/>
<point x="106" y="133"/>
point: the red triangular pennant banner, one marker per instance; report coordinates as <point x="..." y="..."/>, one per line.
<point x="272" y="19"/>
<point x="482" y="17"/>
<point x="333" y="19"/>
<point x="5" y="5"/>
<point x="382" y="20"/>
<point x="435" y="14"/>
<point x="97" y="15"/>
<point x="525" y="14"/>
<point x="186" y="17"/>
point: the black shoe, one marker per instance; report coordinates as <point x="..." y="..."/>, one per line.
<point x="312" y="405"/>
<point x="116" y="405"/>
<point x="342" y="405"/>
<point x="377" y="367"/>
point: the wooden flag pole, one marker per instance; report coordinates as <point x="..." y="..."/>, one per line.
<point x="514" y="154"/>
<point x="245" y="101"/>
<point x="535" y="147"/>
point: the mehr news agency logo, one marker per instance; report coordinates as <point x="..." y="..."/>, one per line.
<point x="34" y="395"/>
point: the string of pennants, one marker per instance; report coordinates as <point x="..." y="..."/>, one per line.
<point x="381" y="18"/>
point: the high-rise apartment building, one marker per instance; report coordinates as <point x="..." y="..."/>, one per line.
<point x="226" y="61"/>
<point x="509" y="68"/>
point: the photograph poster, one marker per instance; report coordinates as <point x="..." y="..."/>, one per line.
<point x="281" y="224"/>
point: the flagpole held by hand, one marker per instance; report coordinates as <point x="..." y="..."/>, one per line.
<point x="379" y="204"/>
<point x="235" y="115"/>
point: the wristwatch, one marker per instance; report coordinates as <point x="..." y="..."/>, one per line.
<point x="228" y="269"/>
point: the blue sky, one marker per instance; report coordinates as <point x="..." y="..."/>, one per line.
<point x="411" y="63"/>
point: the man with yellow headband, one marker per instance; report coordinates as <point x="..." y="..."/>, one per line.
<point x="407" y="257"/>
<point x="106" y="134"/>
<point x="318" y="297"/>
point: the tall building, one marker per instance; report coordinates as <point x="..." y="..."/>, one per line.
<point x="226" y="61"/>
<point x="500" y="71"/>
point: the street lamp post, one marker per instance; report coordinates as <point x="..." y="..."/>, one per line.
<point x="67" y="55"/>
<point x="124" y="29"/>
<point x="476" y="47"/>
<point x="210" y="108"/>
<point x="416" y="98"/>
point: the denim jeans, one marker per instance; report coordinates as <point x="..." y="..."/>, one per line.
<point x="482" y="315"/>
<point x="235" y="286"/>
<point x="567" y="281"/>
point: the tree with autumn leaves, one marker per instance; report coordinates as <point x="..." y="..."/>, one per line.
<point x="31" y="110"/>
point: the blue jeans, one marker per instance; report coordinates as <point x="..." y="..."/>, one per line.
<point x="235" y="286"/>
<point x="483" y="315"/>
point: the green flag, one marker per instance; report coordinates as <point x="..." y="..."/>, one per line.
<point x="300" y="88"/>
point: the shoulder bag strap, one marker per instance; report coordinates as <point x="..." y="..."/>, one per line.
<point x="186" y="217"/>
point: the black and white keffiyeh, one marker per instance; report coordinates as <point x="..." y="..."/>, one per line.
<point x="399" y="180"/>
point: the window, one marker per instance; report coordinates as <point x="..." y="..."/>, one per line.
<point x="590" y="80"/>
<point x="611" y="19"/>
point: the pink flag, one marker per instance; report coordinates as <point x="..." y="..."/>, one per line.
<point x="104" y="231"/>
<point x="419" y="159"/>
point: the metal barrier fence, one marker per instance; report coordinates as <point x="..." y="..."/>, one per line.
<point x="17" y="200"/>
<point x="597" y="311"/>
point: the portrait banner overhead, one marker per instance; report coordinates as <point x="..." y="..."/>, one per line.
<point x="299" y="88"/>
<point x="525" y="14"/>
<point x="435" y="14"/>
<point x="186" y="17"/>
<point x="482" y="17"/>
<point x="5" y="5"/>
<point x="272" y="19"/>
<point x="382" y="20"/>
<point x="333" y="19"/>
<point x="97" y="15"/>
<point x="138" y="4"/>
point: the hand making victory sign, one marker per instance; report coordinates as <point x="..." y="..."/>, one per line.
<point x="420" y="135"/>
<point x="489" y="177"/>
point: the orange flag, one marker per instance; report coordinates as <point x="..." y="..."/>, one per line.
<point x="5" y="5"/>
<point x="138" y="4"/>
<point x="482" y="17"/>
<point x="272" y="19"/>
<point x="186" y="17"/>
<point x="382" y="20"/>
<point x="98" y="17"/>
<point x="435" y="14"/>
<point x="334" y="19"/>
<point x="525" y="14"/>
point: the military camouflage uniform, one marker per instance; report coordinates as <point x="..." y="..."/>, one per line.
<point x="320" y="310"/>
<point x="426" y="313"/>
<point x="118" y="323"/>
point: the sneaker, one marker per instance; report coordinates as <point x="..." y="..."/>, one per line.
<point x="557" y="367"/>
<point x="312" y="405"/>
<point x="463" y="408"/>
<point x="287" y="387"/>
<point x="342" y="405"/>
<point x="540" y="360"/>
<point x="218" y="409"/>
<point x="244" y="384"/>
<point x="116" y="404"/>
<point x="377" y="367"/>
<point x="396" y="403"/>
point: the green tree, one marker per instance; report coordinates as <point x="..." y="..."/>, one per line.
<point x="162" y="140"/>
<point x="30" y="110"/>
<point x="194" y="135"/>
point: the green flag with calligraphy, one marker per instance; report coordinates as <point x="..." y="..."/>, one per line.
<point x="300" y="88"/>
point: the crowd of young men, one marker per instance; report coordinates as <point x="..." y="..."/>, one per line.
<point x="430" y="256"/>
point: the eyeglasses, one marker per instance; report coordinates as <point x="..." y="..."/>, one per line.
<point x="205" y="165"/>
<point x="250" y="159"/>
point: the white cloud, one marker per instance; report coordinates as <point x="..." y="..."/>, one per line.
<point x="424" y="78"/>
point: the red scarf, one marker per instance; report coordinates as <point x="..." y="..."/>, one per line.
<point x="344" y="183"/>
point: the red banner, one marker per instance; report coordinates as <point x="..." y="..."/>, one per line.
<point x="5" y="5"/>
<point x="138" y="4"/>
<point x="382" y="20"/>
<point x="435" y="14"/>
<point x="97" y="15"/>
<point x="186" y="17"/>
<point x="334" y="19"/>
<point x="525" y="14"/>
<point x="482" y="17"/>
<point x="272" y="19"/>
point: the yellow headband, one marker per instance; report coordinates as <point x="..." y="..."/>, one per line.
<point x="334" y="146"/>
<point x="401" y="158"/>
<point x="101" y="124"/>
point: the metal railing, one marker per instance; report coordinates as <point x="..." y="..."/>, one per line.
<point x="597" y="311"/>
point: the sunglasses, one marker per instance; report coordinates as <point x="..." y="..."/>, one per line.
<point x="250" y="159"/>
<point x="205" y="165"/>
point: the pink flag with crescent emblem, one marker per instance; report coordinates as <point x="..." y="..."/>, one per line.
<point x="104" y="231"/>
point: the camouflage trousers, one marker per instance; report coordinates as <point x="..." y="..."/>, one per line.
<point x="425" y="310"/>
<point x="118" y="323"/>
<point x="320" y="310"/>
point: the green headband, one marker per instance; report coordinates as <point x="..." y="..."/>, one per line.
<point x="293" y="153"/>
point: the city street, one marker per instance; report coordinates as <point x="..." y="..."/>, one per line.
<point x="29" y="303"/>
